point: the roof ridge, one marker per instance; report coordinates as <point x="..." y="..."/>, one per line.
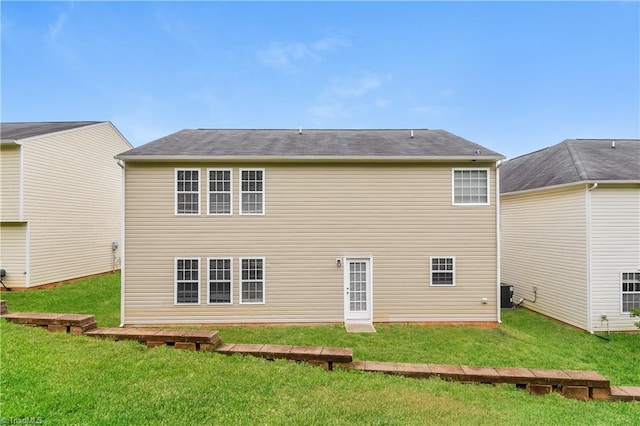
<point x="577" y="160"/>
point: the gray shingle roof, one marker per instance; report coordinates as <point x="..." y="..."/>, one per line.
<point x="573" y="160"/>
<point x="221" y="143"/>
<point x="17" y="131"/>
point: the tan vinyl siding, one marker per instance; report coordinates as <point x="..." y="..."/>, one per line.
<point x="399" y="214"/>
<point x="72" y="199"/>
<point x="9" y="183"/>
<point x="544" y="245"/>
<point x="13" y="253"/>
<point x="615" y="248"/>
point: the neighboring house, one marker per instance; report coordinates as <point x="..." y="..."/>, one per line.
<point x="570" y="217"/>
<point x="320" y="226"/>
<point x="60" y="201"/>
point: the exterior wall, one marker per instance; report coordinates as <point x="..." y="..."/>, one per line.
<point x="615" y="248"/>
<point x="9" y="183"/>
<point x="399" y="214"/>
<point x="72" y="200"/>
<point x="544" y="244"/>
<point x="13" y="253"/>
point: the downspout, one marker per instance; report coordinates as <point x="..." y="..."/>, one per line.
<point x="122" y="245"/>
<point x="498" y="245"/>
<point x="589" y="307"/>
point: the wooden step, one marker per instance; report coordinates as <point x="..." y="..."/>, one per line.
<point x="625" y="393"/>
<point x="314" y="354"/>
<point x="188" y="339"/>
<point x="40" y="319"/>
<point x="3" y="307"/>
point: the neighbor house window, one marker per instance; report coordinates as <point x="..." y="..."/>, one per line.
<point x="251" y="280"/>
<point x="630" y="291"/>
<point x="188" y="281"/>
<point x="187" y="191"/>
<point x="470" y="186"/>
<point x="252" y="191"/>
<point x="220" y="279"/>
<point x="443" y="271"/>
<point x="220" y="192"/>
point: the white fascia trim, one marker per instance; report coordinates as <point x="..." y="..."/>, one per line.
<point x="306" y="158"/>
<point x="577" y="184"/>
<point x="60" y="132"/>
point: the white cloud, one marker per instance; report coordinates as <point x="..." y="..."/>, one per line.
<point x="288" y="57"/>
<point x="56" y="28"/>
<point x="355" y="86"/>
<point x="382" y="103"/>
<point x="332" y="111"/>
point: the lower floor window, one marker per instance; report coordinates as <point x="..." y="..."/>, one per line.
<point x="220" y="280"/>
<point x="630" y="291"/>
<point x="187" y="281"/>
<point x="442" y="271"/>
<point x="252" y="280"/>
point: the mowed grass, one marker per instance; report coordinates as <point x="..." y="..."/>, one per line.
<point x="65" y="379"/>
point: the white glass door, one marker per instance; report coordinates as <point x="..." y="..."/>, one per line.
<point x="357" y="283"/>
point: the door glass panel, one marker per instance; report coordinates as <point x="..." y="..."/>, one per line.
<point x="358" y="286"/>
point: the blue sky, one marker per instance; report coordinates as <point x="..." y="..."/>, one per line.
<point x="512" y="76"/>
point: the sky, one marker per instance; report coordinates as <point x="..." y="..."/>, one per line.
<point x="514" y="77"/>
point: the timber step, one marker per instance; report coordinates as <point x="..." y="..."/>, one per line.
<point x="324" y="356"/>
<point x="573" y="384"/>
<point x="69" y="323"/>
<point x="625" y="393"/>
<point x="182" y="339"/>
<point x="3" y="307"/>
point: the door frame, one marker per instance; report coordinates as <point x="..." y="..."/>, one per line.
<point x="368" y="316"/>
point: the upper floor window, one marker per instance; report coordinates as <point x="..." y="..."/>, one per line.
<point x="188" y="191"/>
<point x="630" y="291"/>
<point x="443" y="271"/>
<point x="187" y="285"/>
<point x="252" y="191"/>
<point x="220" y="199"/>
<point x="471" y="186"/>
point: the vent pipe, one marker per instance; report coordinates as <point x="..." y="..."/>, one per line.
<point x="613" y="144"/>
<point x="412" y="134"/>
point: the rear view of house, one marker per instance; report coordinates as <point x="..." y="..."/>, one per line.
<point x="570" y="218"/>
<point x="60" y="201"/>
<point x="313" y="226"/>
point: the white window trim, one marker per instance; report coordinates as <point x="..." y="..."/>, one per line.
<point x="230" y="192"/>
<point x="264" y="280"/>
<point x="240" y="192"/>
<point x="431" y="271"/>
<point x="175" y="190"/>
<point x="175" y="280"/>
<point x="230" y="259"/>
<point x="622" y="311"/>
<point x="453" y="185"/>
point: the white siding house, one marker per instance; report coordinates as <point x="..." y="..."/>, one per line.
<point x="61" y="201"/>
<point x="570" y="227"/>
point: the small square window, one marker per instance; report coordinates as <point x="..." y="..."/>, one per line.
<point x="442" y="271"/>
<point x="471" y="186"/>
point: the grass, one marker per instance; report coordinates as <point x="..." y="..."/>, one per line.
<point x="64" y="379"/>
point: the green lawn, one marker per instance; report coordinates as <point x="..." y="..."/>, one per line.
<point x="65" y="379"/>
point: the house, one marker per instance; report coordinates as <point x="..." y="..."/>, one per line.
<point x="313" y="226"/>
<point x="60" y="203"/>
<point x="570" y="219"/>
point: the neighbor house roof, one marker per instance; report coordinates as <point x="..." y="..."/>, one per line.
<point x="18" y="131"/>
<point x="573" y="160"/>
<point x="312" y="144"/>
